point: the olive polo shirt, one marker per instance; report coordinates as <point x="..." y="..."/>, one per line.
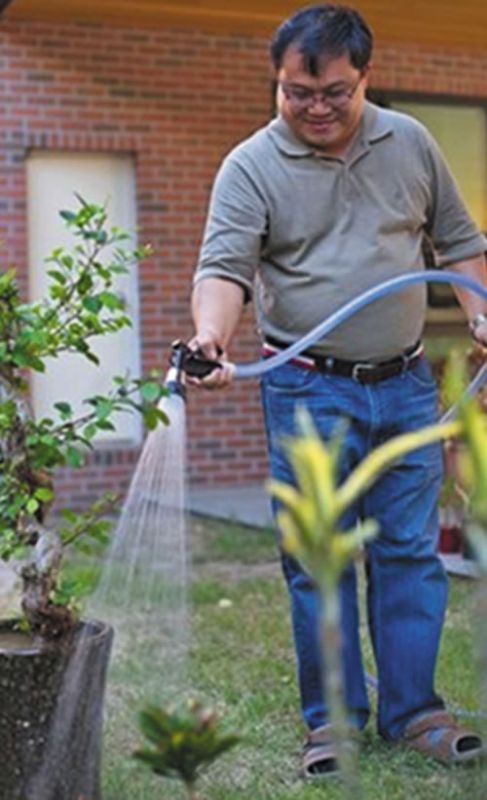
<point x="311" y="232"/>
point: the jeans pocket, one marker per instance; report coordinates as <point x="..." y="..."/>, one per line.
<point x="421" y="375"/>
<point x="290" y="379"/>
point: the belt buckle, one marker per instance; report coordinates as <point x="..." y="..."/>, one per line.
<point x="359" y="367"/>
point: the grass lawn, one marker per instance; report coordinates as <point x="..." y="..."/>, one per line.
<point x="242" y="662"/>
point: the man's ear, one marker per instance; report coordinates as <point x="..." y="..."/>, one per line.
<point x="366" y="72"/>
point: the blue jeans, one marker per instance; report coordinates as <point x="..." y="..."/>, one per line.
<point x="406" y="583"/>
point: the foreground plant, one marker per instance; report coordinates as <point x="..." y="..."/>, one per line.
<point x="473" y="475"/>
<point x="81" y="304"/>
<point x="310" y="524"/>
<point x="184" y="742"/>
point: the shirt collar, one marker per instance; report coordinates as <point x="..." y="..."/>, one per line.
<point x="374" y="127"/>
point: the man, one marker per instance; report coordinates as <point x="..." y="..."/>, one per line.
<point x="331" y="198"/>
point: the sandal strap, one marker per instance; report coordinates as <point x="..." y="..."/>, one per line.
<point x="318" y="753"/>
<point x="319" y="748"/>
<point x="320" y="736"/>
<point x="428" y="722"/>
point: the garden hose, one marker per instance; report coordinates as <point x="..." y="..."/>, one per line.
<point x="185" y="361"/>
<point x="349" y="309"/>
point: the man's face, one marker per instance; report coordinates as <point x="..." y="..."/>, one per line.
<point x="325" y="121"/>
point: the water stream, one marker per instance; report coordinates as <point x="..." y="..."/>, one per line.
<point x="143" y="587"/>
<point x="142" y="594"/>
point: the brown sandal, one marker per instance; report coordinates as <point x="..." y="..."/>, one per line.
<point x="319" y="754"/>
<point x="436" y="734"/>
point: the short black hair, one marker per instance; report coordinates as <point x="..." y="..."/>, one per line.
<point x="324" y="30"/>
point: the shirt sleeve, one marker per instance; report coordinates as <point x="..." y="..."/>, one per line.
<point x="453" y="233"/>
<point x="235" y="227"/>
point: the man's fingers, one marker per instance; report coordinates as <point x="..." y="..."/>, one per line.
<point x="207" y="347"/>
<point x="217" y="379"/>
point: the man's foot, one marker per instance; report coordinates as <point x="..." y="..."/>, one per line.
<point x="320" y="754"/>
<point x="436" y="734"/>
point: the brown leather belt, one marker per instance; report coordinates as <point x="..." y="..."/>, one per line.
<point x="362" y="371"/>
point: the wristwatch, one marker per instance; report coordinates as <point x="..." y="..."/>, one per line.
<point x="474" y="323"/>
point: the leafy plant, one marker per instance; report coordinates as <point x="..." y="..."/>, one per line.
<point x="185" y="742"/>
<point x="81" y="305"/>
<point x="473" y="475"/>
<point x="310" y="523"/>
<point x="473" y="463"/>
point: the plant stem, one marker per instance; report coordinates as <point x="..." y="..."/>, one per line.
<point x="192" y="793"/>
<point x="482" y="644"/>
<point x="334" y="692"/>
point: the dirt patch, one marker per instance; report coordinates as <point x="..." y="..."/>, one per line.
<point x="233" y="571"/>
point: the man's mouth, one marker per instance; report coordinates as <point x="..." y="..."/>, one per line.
<point x="323" y="124"/>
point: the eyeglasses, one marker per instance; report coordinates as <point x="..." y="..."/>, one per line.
<point x="300" y="98"/>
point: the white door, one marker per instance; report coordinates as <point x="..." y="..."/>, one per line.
<point x="52" y="181"/>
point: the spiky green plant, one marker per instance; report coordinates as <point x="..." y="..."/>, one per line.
<point x="310" y="524"/>
<point x="473" y="475"/>
<point x="473" y="463"/>
<point x="185" y="742"/>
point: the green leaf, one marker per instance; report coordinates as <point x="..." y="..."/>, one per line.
<point x="74" y="458"/>
<point x="23" y="359"/>
<point x="68" y="216"/>
<point x="90" y="431"/>
<point x="44" y="494"/>
<point x="112" y="301"/>
<point x="92" y="304"/>
<point x="64" y="409"/>
<point x="57" y="276"/>
<point x="85" y="283"/>
<point x="150" y="391"/>
<point x="103" y="407"/>
<point x="32" y="506"/>
<point x="105" y="425"/>
<point x="151" y="418"/>
<point x="55" y="255"/>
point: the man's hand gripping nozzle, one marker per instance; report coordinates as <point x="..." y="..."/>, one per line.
<point x="186" y="362"/>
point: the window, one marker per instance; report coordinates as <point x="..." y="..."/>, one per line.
<point x="461" y="132"/>
<point x="52" y="180"/>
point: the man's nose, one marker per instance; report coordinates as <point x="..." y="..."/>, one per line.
<point x="318" y="103"/>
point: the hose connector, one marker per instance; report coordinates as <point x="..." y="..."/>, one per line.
<point x="175" y="379"/>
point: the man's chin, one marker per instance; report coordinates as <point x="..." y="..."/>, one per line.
<point x="322" y="136"/>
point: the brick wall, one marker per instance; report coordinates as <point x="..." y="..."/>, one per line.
<point x="178" y="100"/>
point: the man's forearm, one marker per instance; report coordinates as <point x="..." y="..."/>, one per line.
<point x="217" y="307"/>
<point x="472" y="303"/>
<point x="474" y="268"/>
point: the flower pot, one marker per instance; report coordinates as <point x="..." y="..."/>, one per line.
<point x="451" y="539"/>
<point x="51" y="701"/>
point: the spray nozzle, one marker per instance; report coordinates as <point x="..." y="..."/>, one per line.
<point x="191" y="362"/>
<point x="185" y="361"/>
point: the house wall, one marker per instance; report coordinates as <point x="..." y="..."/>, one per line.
<point x="177" y="100"/>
